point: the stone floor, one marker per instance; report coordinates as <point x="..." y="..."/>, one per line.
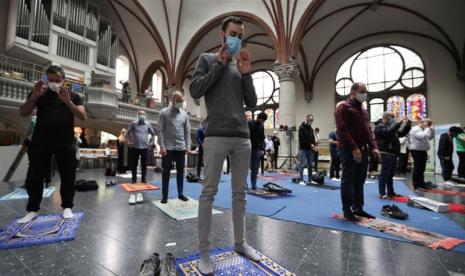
<point x="114" y="238"/>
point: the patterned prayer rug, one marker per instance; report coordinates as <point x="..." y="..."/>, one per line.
<point x="20" y="193"/>
<point x="181" y="210"/>
<point x="265" y="194"/>
<point x="138" y="187"/>
<point x="44" y="229"/>
<point x="424" y="238"/>
<point x="228" y="262"/>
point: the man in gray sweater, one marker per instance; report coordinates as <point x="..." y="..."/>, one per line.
<point x="420" y="137"/>
<point x="224" y="80"/>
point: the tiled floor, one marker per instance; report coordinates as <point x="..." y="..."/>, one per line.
<point x="114" y="238"/>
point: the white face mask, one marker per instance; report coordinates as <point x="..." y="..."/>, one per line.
<point x="361" y="97"/>
<point x="177" y="105"/>
<point x="55" y="87"/>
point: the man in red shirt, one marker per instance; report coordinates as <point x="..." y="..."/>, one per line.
<point x="355" y="140"/>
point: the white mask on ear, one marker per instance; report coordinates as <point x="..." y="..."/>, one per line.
<point x="55" y="87"/>
<point x="361" y="97"/>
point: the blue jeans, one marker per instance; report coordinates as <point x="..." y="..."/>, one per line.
<point x="388" y="170"/>
<point x="305" y="158"/>
<point x="254" y="166"/>
<point x="352" y="180"/>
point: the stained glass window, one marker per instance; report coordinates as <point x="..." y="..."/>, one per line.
<point x="416" y="107"/>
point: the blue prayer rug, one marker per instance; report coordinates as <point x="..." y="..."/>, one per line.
<point x="20" y="193"/>
<point x="228" y="262"/>
<point x="43" y="229"/>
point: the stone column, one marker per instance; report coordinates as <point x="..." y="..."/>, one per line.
<point x="287" y="75"/>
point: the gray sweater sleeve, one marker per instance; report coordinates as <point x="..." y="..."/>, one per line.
<point x="204" y="78"/>
<point x="187" y="133"/>
<point x="250" y="97"/>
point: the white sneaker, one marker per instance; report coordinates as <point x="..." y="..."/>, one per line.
<point x="139" y="198"/>
<point x="27" y="218"/>
<point x="132" y="199"/>
<point x="302" y="183"/>
<point x="67" y="213"/>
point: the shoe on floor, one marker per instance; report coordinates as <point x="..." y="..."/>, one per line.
<point x="350" y="217"/>
<point x="430" y="185"/>
<point x="364" y="214"/>
<point x="393" y="211"/>
<point x="383" y="197"/>
<point x="132" y="199"/>
<point x="169" y="265"/>
<point x="67" y="213"/>
<point x="392" y="195"/>
<point x="248" y="251"/>
<point x="28" y="217"/>
<point x="139" y="198"/>
<point x="164" y="200"/>
<point x="183" y="198"/>
<point x="302" y="183"/>
<point x="150" y="266"/>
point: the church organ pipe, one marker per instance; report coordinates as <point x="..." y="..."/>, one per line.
<point x="23" y="19"/>
<point x="41" y="24"/>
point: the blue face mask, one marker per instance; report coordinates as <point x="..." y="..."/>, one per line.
<point x="234" y="45"/>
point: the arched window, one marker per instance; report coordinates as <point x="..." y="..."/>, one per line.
<point x="267" y="88"/>
<point x="393" y="75"/>
<point x="122" y="71"/>
<point x="157" y="86"/>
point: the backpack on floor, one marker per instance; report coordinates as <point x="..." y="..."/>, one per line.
<point x="82" y="185"/>
<point x="190" y="177"/>
<point x="319" y="177"/>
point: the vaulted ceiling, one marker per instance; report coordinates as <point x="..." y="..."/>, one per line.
<point x="170" y="34"/>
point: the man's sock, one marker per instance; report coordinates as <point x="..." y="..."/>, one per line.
<point x="205" y="263"/>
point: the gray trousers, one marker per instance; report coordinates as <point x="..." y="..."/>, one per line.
<point x="216" y="149"/>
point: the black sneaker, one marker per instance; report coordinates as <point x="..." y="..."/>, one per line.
<point x="150" y="266"/>
<point x="393" y="211"/>
<point x="171" y="264"/>
<point x="430" y="185"/>
<point x="350" y="217"/>
<point x="364" y="214"/>
<point x="164" y="200"/>
<point x="183" y="198"/>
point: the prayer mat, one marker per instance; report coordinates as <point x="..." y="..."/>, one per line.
<point x="322" y="186"/>
<point x="228" y="262"/>
<point x="43" y="229"/>
<point x="138" y="187"/>
<point x="453" y="207"/>
<point x="265" y="194"/>
<point x="20" y="193"/>
<point x="272" y="177"/>
<point x="442" y="192"/>
<point x="452" y="184"/>
<point x="424" y="238"/>
<point x="181" y="210"/>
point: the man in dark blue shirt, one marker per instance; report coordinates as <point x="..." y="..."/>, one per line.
<point x="257" y="138"/>
<point x="335" y="158"/>
<point x="200" y="139"/>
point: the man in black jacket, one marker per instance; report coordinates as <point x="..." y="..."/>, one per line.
<point x="307" y="146"/>
<point x="387" y="133"/>
<point x="257" y="139"/>
<point x="445" y="151"/>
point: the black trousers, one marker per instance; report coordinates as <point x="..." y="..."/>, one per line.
<point x="316" y="154"/>
<point x="461" y="168"/>
<point x="135" y="153"/>
<point x="179" y="157"/>
<point x="402" y="163"/>
<point x="200" y="160"/>
<point x="447" y="167"/>
<point x="335" y="164"/>
<point x="275" y="157"/>
<point x="419" y="165"/>
<point x="352" y="180"/>
<point x="39" y="166"/>
<point x="262" y="163"/>
<point x="47" y="173"/>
